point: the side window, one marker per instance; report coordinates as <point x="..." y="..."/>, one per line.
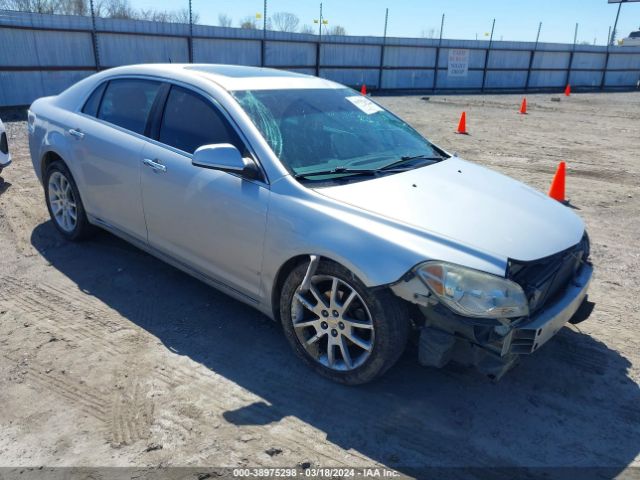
<point x="190" y="121"/>
<point x="93" y="102"/>
<point x="127" y="103"/>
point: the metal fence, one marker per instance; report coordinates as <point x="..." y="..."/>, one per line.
<point x="43" y="54"/>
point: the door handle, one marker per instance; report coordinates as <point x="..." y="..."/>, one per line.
<point x="156" y="166"/>
<point x="74" y="132"/>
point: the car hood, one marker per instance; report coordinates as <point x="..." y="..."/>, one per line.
<point x="477" y="207"/>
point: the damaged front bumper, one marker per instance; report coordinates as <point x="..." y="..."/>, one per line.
<point x="492" y="349"/>
<point x="535" y="333"/>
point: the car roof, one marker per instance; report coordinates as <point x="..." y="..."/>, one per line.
<point x="230" y="77"/>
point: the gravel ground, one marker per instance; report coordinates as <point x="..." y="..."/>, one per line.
<point x="108" y="357"/>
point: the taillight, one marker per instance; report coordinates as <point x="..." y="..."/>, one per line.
<point x="31" y="121"/>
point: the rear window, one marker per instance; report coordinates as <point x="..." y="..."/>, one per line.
<point x="93" y="102"/>
<point x="127" y="103"/>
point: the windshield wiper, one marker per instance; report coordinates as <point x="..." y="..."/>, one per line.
<point x="340" y="170"/>
<point x="409" y="158"/>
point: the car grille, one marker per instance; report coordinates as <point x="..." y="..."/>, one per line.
<point x="4" y="146"/>
<point x="545" y="279"/>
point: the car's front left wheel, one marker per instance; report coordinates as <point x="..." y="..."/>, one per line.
<point x="339" y="327"/>
<point x="64" y="203"/>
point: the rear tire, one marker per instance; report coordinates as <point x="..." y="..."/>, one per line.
<point x="64" y="203"/>
<point x="365" y="329"/>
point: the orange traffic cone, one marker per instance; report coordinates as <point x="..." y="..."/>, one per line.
<point x="567" y="91"/>
<point x="523" y="107"/>
<point x="363" y="90"/>
<point x="557" y="185"/>
<point x="462" y="126"/>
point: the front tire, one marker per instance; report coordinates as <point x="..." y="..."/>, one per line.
<point x="64" y="203"/>
<point x="340" y="328"/>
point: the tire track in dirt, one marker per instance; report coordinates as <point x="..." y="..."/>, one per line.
<point x="131" y="414"/>
<point x="74" y="319"/>
<point x="76" y="392"/>
<point x="21" y="208"/>
<point x="294" y="438"/>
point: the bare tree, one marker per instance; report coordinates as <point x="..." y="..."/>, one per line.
<point x="119" y="9"/>
<point x="428" y="33"/>
<point x="248" y="22"/>
<point x="307" y="29"/>
<point x="182" y="16"/>
<point x="35" y="6"/>
<point x="224" y="20"/>
<point x="103" y="8"/>
<point x="72" y="7"/>
<point x="285" y="21"/>
<point x="336" y="30"/>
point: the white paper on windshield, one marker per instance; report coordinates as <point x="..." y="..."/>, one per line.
<point x="364" y="104"/>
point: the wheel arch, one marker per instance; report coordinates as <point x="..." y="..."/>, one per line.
<point x="48" y="158"/>
<point x="287" y="267"/>
<point x="283" y="272"/>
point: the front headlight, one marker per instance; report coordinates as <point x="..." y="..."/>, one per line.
<point x="472" y="293"/>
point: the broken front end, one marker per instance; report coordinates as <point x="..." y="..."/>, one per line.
<point x="479" y="319"/>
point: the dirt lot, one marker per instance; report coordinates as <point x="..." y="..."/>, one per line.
<point x="108" y="357"/>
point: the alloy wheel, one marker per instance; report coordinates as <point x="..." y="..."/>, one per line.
<point x="332" y="323"/>
<point x="62" y="201"/>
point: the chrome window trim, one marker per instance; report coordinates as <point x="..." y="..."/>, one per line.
<point x="194" y="89"/>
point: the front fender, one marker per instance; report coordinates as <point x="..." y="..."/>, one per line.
<point x="378" y="250"/>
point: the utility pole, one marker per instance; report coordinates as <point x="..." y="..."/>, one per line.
<point x="386" y="21"/>
<point x="615" y="26"/>
<point x="320" y="23"/>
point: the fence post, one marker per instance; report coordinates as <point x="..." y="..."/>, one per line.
<point x="384" y="41"/>
<point x="190" y="41"/>
<point x="571" y="54"/>
<point x="435" y="67"/>
<point x="264" y="36"/>
<point x="318" y="48"/>
<point x="531" y="58"/>
<point x="604" y="71"/>
<point x="486" y="58"/>
<point x="94" y="36"/>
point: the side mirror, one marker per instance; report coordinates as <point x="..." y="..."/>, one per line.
<point x="227" y="158"/>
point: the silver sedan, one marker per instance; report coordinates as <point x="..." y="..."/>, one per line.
<point x="315" y="205"/>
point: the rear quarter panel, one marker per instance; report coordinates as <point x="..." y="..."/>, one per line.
<point x="47" y="133"/>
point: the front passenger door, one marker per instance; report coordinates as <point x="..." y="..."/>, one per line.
<point x="211" y="220"/>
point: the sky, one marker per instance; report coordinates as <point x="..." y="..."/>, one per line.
<point x="464" y="19"/>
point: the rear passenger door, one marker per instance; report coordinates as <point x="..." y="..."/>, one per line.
<point x="107" y="144"/>
<point x="212" y="221"/>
